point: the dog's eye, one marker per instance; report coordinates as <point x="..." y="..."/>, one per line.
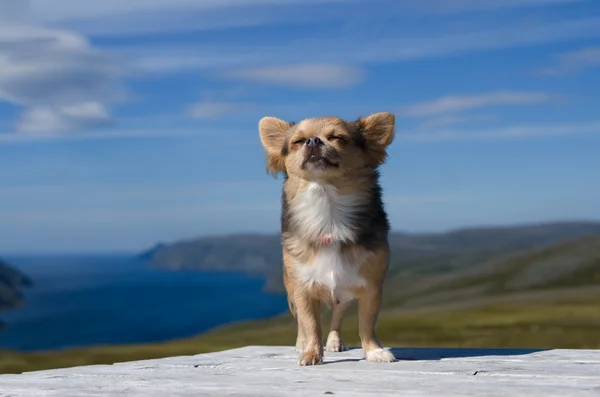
<point x="299" y="141"/>
<point x="336" y="138"/>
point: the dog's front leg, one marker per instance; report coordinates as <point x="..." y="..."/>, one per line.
<point x="309" y="314"/>
<point x="369" y="304"/>
<point x="334" y="339"/>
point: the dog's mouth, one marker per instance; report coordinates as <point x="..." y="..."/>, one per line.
<point x="319" y="161"/>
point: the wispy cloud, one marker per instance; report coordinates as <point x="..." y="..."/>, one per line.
<point x="305" y="75"/>
<point x="574" y="61"/>
<point x="515" y="132"/>
<point x="460" y="6"/>
<point x="404" y="199"/>
<point x="208" y="191"/>
<point x="61" y="10"/>
<point x="33" y="137"/>
<point x="136" y="17"/>
<point x="448" y="120"/>
<point x="68" y="10"/>
<point x="113" y="203"/>
<point x="352" y="49"/>
<point x="88" y="217"/>
<point x="147" y="17"/>
<point x="433" y="135"/>
<point x="215" y="110"/>
<point x="214" y="218"/>
<point x="100" y="203"/>
<point x="460" y="103"/>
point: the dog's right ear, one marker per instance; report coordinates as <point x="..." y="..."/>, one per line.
<point x="272" y="136"/>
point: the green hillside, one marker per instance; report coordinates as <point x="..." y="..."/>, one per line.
<point x="412" y="254"/>
<point x="542" y="297"/>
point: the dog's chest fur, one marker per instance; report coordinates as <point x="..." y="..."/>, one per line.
<point x="322" y="210"/>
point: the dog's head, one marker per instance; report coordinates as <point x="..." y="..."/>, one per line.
<point x="322" y="148"/>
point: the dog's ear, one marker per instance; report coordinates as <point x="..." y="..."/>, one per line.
<point x="272" y="136"/>
<point x="378" y="131"/>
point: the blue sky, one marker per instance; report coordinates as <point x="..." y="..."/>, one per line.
<point x="124" y="123"/>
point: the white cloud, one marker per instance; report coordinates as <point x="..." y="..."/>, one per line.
<point x="48" y="119"/>
<point x="57" y="76"/>
<point x="459" y="103"/>
<point x="213" y="110"/>
<point x="302" y="75"/>
<point x="575" y="61"/>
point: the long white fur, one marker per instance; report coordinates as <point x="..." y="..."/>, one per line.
<point x="320" y="210"/>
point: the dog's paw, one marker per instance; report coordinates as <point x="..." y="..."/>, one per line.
<point x="334" y="343"/>
<point x="300" y="347"/>
<point x="335" y="346"/>
<point x="380" y="356"/>
<point x="310" y="358"/>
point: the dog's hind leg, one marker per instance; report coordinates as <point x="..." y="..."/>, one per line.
<point x="301" y="338"/>
<point x="289" y="287"/>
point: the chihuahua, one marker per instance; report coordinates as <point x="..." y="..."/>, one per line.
<point x="334" y="229"/>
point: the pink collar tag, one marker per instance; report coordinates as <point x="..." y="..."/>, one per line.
<point x="327" y="239"/>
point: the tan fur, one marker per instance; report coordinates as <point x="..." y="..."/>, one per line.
<point x="285" y="153"/>
<point x="376" y="130"/>
<point x="334" y="339"/>
<point x="272" y="138"/>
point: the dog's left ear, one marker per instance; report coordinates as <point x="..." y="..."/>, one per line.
<point x="378" y="130"/>
<point x="272" y="136"/>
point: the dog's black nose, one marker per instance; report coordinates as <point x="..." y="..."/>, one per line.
<point x="313" y="141"/>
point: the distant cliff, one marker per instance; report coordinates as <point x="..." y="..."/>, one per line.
<point x="412" y="254"/>
<point x="257" y="255"/>
<point x="11" y="284"/>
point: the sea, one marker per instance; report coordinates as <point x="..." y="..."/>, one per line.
<point x="85" y="300"/>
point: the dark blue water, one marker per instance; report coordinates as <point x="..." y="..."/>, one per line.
<point x="81" y="301"/>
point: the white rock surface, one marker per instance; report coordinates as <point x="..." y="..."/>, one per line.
<point x="272" y="371"/>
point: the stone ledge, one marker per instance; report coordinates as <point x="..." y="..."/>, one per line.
<point x="272" y="371"/>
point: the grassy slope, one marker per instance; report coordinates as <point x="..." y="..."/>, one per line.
<point x="412" y="254"/>
<point x="543" y="298"/>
